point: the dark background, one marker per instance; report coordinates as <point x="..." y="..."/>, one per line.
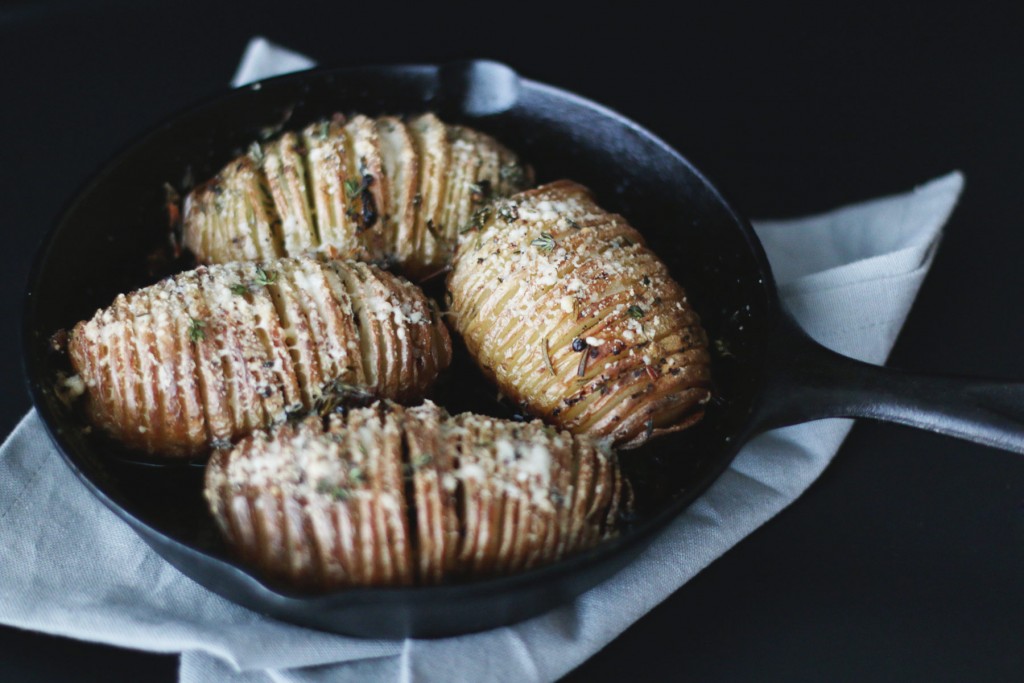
<point x="905" y="561"/>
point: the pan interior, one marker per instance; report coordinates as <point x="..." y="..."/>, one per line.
<point x="105" y="239"/>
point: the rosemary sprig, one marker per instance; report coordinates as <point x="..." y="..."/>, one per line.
<point x="547" y="357"/>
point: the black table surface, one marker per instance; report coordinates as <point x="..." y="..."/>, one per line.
<point x="905" y="560"/>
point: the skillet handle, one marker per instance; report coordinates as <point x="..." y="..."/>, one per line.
<point x="807" y="381"/>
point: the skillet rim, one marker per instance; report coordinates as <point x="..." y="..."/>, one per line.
<point x="629" y="543"/>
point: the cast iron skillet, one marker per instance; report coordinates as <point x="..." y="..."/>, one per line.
<point x="768" y="373"/>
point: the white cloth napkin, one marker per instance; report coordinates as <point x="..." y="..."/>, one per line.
<point x="69" y="566"/>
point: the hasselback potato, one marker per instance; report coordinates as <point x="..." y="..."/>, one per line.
<point x="386" y="495"/>
<point x="381" y="190"/>
<point x="562" y="304"/>
<point x="205" y="356"/>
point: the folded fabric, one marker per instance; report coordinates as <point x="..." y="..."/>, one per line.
<point x="71" y="567"/>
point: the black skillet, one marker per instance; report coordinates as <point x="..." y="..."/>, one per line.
<point x="768" y="373"/>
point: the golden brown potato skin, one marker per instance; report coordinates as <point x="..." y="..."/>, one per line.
<point x="324" y="508"/>
<point x="562" y="304"/>
<point x="205" y="356"/>
<point x="383" y="190"/>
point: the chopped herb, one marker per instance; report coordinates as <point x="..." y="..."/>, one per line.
<point x="646" y="281"/>
<point x="649" y="428"/>
<point x="423" y="460"/>
<point x="512" y="174"/>
<point x="477" y="221"/>
<point x="337" y="395"/>
<point x="195" y="330"/>
<point x="265" y="277"/>
<point x="356" y="474"/>
<point x="480" y="191"/>
<point x="545" y="243"/>
<point x="581" y="369"/>
<point x="239" y="289"/>
<point x="256" y="152"/>
<point x="547" y="357"/>
<point x="572" y="224"/>
<point x="509" y="212"/>
<point x="335" y="491"/>
<point x="635" y="312"/>
<point x="352" y="188"/>
<point x="325" y="128"/>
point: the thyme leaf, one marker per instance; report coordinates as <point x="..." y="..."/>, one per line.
<point x="335" y="491"/>
<point x="195" y="329"/>
<point x="256" y="152"/>
<point x="635" y="312"/>
<point x="508" y="212"/>
<point x="545" y="243"/>
<point x="265" y="277"/>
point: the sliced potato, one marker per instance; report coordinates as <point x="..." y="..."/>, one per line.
<point x="380" y="190"/>
<point x="562" y="304"/>
<point x="207" y="355"/>
<point x="386" y="495"/>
